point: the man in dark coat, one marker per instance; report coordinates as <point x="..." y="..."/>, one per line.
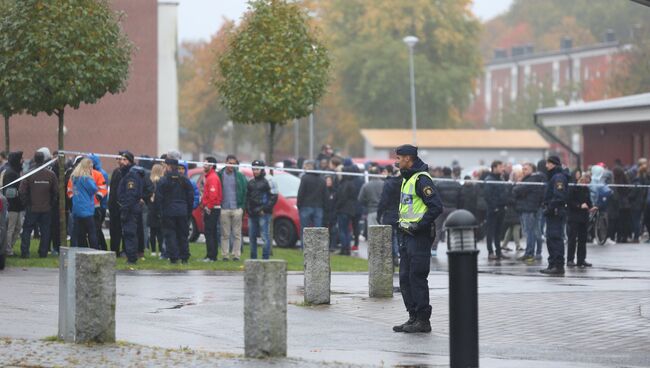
<point x="388" y="207"/>
<point x="175" y="201"/>
<point x="38" y="193"/>
<point x="449" y="191"/>
<point x="496" y="197"/>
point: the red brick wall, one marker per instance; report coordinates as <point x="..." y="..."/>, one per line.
<point x="606" y="143"/>
<point x="124" y="121"/>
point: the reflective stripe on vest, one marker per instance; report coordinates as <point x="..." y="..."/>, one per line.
<point x="411" y="207"/>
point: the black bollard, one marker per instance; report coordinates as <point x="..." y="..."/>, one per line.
<point x="463" y="289"/>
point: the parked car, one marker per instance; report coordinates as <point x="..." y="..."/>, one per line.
<point x="285" y="218"/>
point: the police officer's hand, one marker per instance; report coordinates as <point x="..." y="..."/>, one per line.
<point x="408" y="228"/>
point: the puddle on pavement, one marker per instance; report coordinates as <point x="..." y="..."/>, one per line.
<point x="179" y="303"/>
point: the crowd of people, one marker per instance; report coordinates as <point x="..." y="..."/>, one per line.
<point x="507" y="211"/>
<point x="150" y="204"/>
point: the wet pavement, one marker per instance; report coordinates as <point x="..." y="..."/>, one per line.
<point x="598" y="317"/>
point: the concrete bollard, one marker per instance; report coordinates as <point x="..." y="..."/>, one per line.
<point x="317" y="265"/>
<point x="86" y="295"/>
<point x="265" y="308"/>
<point x="380" y="261"/>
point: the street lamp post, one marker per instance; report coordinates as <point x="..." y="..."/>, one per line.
<point x="410" y="41"/>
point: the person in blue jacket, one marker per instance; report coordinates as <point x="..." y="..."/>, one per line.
<point x="83" y="204"/>
<point x="100" y="212"/>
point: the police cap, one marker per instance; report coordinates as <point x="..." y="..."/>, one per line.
<point x="554" y="160"/>
<point x="407" y="150"/>
<point x="128" y="155"/>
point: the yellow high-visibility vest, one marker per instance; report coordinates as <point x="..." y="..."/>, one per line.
<point x="411" y="207"/>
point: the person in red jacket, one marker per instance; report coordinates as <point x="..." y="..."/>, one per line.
<point x="211" y="205"/>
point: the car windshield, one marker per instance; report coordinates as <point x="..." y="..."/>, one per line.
<point x="287" y="184"/>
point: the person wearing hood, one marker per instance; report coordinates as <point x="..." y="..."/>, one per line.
<point x="420" y="205"/>
<point x="14" y="223"/>
<point x="555" y="206"/>
<point x="38" y="193"/>
<point x="261" y="199"/>
<point x="174" y="200"/>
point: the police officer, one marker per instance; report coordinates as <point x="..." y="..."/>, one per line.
<point x="130" y="199"/>
<point x="555" y="202"/>
<point x="174" y="200"/>
<point x="419" y="206"/>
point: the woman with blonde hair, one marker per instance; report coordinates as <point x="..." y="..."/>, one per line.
<point x="83" y="203"/>
<point x="153" y="216"/>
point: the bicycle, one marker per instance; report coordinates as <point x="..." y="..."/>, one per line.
<point x="597" y="227"/>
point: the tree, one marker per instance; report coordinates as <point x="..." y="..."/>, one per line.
<point x="372" y="61"/>
<point x="632" y="72"/>
<point x="275" y="69"/>
<point x="59" y="54"/>
<point x="5" y="108"/>
<point x="201" y="111"/>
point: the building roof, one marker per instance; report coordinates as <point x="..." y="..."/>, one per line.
<point x="456" y="138"/>
<point x="546" y="54"/>
<point x="626" y="109"/>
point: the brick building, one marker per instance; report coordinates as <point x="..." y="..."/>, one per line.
<point x="617" y="128"/>
<point x="143" y="118"/>
<point x="507" y="76"/>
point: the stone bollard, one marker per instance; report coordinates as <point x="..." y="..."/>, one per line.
<point x="86" y="295"/>
<point x="317" y="265"/>
<point x="380" y="261"/>
<point x="265" y="308"/>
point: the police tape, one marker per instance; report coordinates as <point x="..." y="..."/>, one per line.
<point x="30" y="173"/>
<point x="364" y="174"/>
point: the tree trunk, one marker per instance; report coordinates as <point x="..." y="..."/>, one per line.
<point x="270" y="146"/>
<point x="63" y="233"/>
<point x="7" y="146"/>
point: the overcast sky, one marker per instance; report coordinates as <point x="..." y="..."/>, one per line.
<point x="199" y="19"/>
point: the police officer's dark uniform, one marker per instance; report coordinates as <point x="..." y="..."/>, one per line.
<point x="130" y="196"/>
<point x="174" y="200"/>
<point x="420" y="204"/>
<point x="555" y="203"/>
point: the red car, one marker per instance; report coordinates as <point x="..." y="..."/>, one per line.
<point x="285" y="219"/>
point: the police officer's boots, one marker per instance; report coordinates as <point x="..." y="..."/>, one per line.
<point x="400" y="328"/>
<point x="420" y="325"/>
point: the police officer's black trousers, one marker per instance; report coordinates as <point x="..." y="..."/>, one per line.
<point x="414" y="265"/>
<point x="129" y="221"/>
<point x="555" y="239"/>
<point x="175" y="230"/>
<point x="115" y="229"/>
